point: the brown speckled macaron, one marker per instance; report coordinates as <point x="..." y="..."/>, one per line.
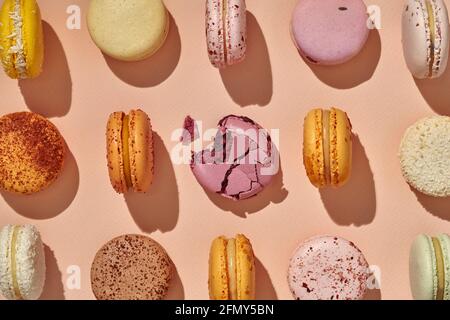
<point x="131" y="267"/>
<point x="32" y="152"/>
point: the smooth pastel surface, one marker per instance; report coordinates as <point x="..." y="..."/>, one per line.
<point x="241" y="169"/>
<point x="129" y="30"/>
<point x="328" y="268"/>
<point x="226" y="31"/>
<point x="422" y="267"/>
<point x="417" y="38"/>
<point x="375" y="204"/>
<point x="330" y="31"/>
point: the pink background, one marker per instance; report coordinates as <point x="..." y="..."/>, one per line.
<point x="80" y="88"/>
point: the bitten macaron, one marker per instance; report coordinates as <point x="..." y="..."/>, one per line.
<point x="131" y="267"/>
<point x="226" y="31"/>
<point x="32" y="153"/>
<point x="327" y="147"/>
<point x="425" y="37"/>
<point x="22" y="263"/>
<point x="429" y="267"/>
<point x="425" y="156"/>
<point x="129" y="30"/>
<point x="129" y="141"/>
<point x="328" y="268"/>
<point x="330" y="32"/>
<point x="232" y="269"/>
<point x="21" y="39"/>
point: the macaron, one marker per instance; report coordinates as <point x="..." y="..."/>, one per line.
<point x="425" y="156"/>
<point x="231" y="269"/>
<point x="241" y="162"/>
<point x="327" y="147"/>
<point x="131" y="267"/>
<point x="21" y="39"/>
<point x="129" y="141"/>
<point x="429" y="267"/>
<point x="22" y="263"/>
<point x="425" y="37"/>
<point x="226" y="31"/>
<point x="129" y="30"/>
<point x="32" y="153"/>
<point x="329" y="32"/>
<point x="328" y="268"/>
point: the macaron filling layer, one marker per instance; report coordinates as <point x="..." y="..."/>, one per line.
<point x="126" y="150"/>
<point x="17" y="49"/>
<point x="231" y="269"/>
<point x="326" y="145"/>
<point x="440" y="268"/>
<point x="15" y="282"/>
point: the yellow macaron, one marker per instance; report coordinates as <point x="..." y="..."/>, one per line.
<point x="129" y="142"/>
<point x="21" y="39"/>
<point x="327" y="147"/>
<point x="231" y="269"/>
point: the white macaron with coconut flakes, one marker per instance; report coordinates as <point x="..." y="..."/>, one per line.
<point x="22" y="263"/>
<point x="425" y="156"/>
<point x="425" y="37"/>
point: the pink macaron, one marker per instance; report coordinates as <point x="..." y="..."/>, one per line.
<point x="328" y="268"/>
<point x="242" y="161"/>
<point x="330" y="32"/>
<point x="226" y="31"/>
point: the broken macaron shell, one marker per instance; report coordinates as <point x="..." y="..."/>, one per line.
<point x="242" y="161"/>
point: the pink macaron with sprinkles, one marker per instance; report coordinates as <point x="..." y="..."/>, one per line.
<point x="330" y="32"/>
<point x="328" y="268"/>
<point x="226" y="31"/>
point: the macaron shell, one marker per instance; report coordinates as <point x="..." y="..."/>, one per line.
<point x="141" y="150"/>
<point x="442" y="41"/>
<point x="245" y="266"/>
<point x="30" y="261"/>
<point x="313" y="158"/>
<point x="6" y="29"/>
<point x="6" y="281"/>
<point x="218" y="277"/>
<point x="33" y="153"/>
<point x="328" y="268"/>
<point x="340" y="147"/>
<point x="129" y="30"/>
<point x="115" y="152"/>
<point x="215" y="33"/>
<point x="444" y="240"/>
<point x="239" y="177"/>
<point x="425" y="156"/>
<point x="330" y="32"/>
<point x="131" y="267"/>
<point x="33" y="37"/>
<point x="236" y="18"/>
<point x="422" y="269"/>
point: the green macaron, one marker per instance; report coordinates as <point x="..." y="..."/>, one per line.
<point x="429" y="268"/>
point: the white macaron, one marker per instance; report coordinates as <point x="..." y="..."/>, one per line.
<point x="425" y="37"/>
<point x="22" y="263"/>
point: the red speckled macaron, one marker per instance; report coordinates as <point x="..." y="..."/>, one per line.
<point x="131" y="267"/>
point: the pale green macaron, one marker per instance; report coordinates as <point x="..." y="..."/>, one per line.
<point x="130" y="30"/>
<point x="429" y="268"/>
<point x="22" y="263"/>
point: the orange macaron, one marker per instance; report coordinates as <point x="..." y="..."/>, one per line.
<point x="32" y="153"/>
<point x="231" y="269"/>
<point x="327" y="147"/>
<point x="129" y="142"/>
